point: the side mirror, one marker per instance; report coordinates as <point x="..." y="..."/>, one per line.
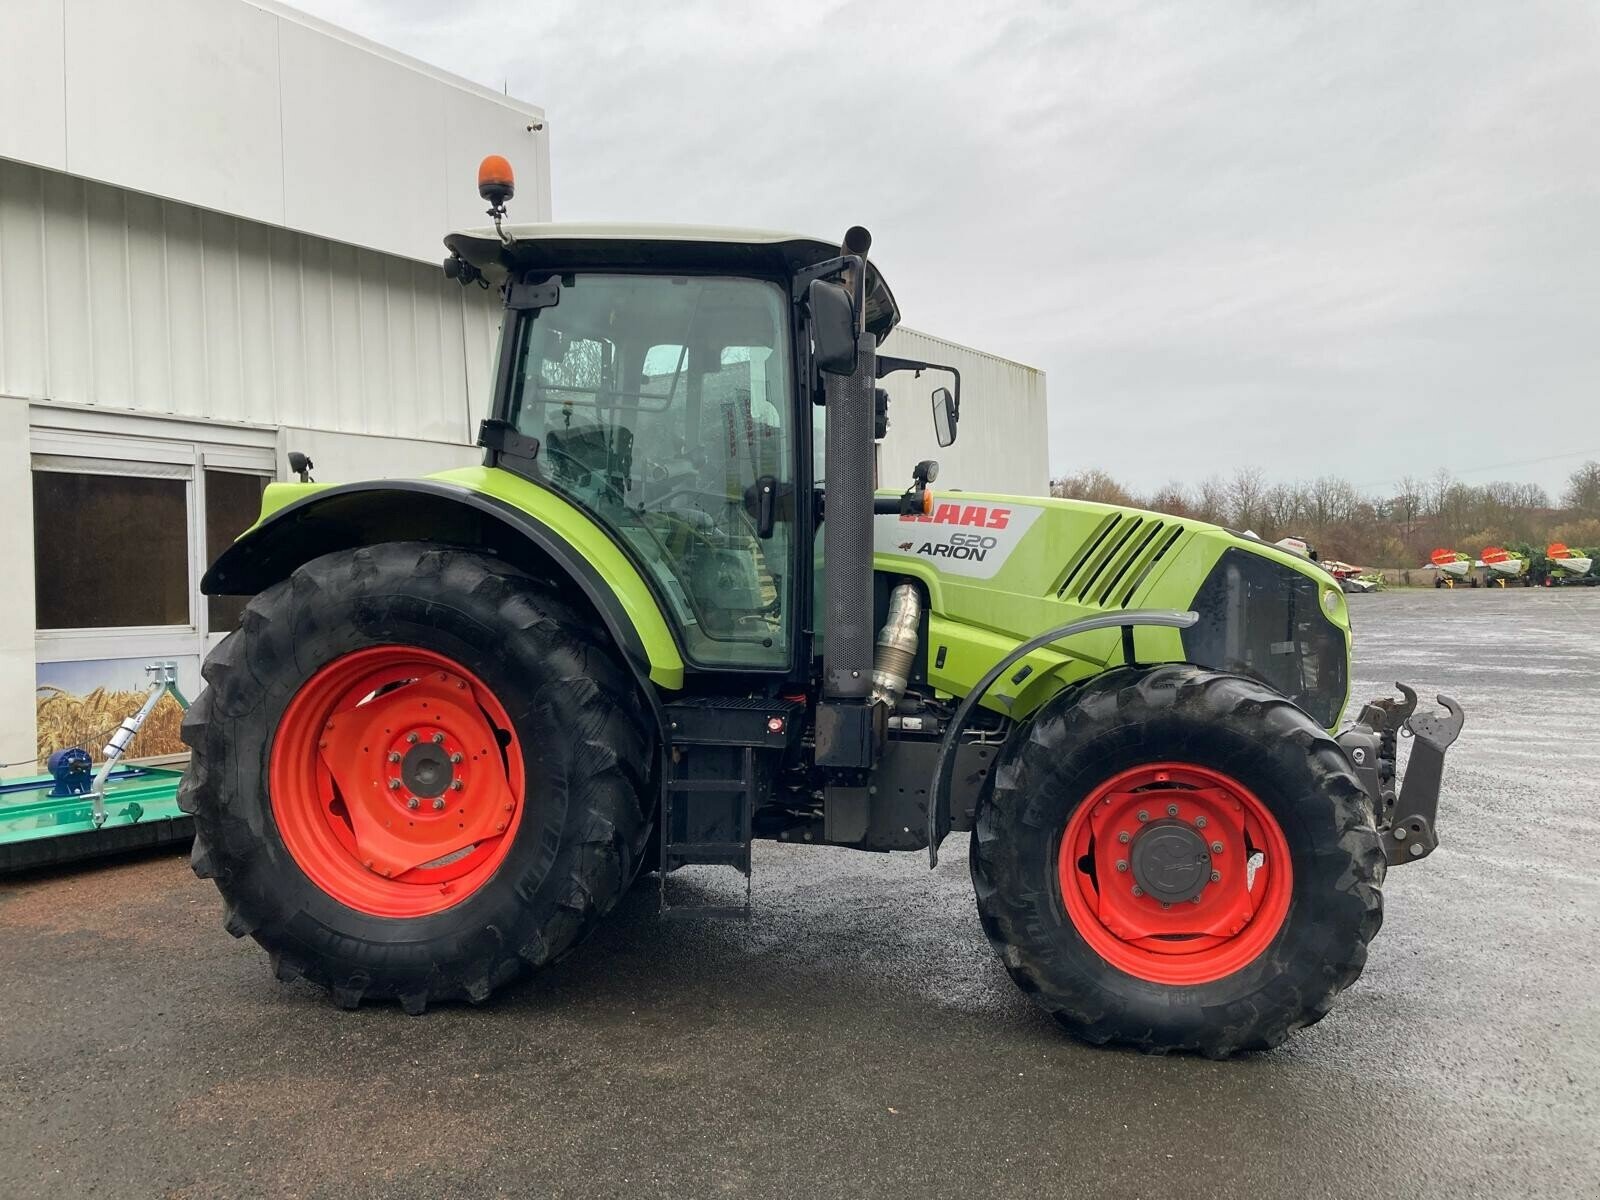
<point x="945" y="416"/>
<point x="833" y="327"/>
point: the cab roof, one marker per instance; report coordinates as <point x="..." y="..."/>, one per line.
<point x="586" y="245"/>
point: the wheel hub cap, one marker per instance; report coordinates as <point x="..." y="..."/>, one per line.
<point x="425" y="770"/>
<point x="1171" y="861"/>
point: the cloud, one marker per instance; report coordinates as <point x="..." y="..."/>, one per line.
<point x="1304" y="237"/>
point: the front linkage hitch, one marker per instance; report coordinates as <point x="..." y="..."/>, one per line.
<point x="1405" y="814"/>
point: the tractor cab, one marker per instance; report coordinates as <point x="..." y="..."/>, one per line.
<point x="669" y="381"/>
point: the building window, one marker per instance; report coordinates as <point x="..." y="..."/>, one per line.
<point x="110" y="551"/>
<point x="233" y="502"/>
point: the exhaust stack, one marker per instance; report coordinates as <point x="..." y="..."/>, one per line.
<point x="846" y="736"/>
<point x="847" y="531"/>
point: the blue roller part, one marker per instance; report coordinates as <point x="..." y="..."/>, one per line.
<point x="73" y="771"/>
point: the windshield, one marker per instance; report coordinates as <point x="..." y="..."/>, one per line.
<point x="662" y="407"/>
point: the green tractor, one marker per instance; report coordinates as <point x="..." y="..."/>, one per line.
<point x="671" y="613"/>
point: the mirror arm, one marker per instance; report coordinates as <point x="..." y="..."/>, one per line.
<point x="888" y="365"/>
<point x="914" y="500"/>
<point x="831" y="269"/>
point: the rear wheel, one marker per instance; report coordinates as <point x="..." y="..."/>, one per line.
<point x="1178" y="859"/>
<point x="414" y="774"/>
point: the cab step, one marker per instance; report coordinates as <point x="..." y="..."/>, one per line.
<point x="723" y="755"/>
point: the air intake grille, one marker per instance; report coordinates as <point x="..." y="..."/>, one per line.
<point x="1109" y="567"/>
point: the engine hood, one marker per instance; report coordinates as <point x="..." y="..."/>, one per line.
<point x="1006" y="568"/>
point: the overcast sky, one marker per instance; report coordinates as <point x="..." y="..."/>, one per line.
<point x="1360" y="238"/>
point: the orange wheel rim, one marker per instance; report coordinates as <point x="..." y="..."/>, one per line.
<point x="396" y="781"/>
<point x="1175" y="873"/>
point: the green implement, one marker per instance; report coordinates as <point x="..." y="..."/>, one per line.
<point x="38" y="829"/>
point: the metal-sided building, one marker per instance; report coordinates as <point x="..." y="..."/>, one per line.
<point x="220" y="229"/>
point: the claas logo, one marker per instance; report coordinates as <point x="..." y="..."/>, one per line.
<point x="979" y="515"/>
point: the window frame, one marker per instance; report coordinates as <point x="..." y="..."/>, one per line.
<point x="73" y="441"/>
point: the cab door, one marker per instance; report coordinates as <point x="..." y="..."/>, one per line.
<point x="664" y="409"/>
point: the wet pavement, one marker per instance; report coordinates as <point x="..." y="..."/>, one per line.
<point x="858" y="1037"/>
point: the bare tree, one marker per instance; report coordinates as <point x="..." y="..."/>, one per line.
<point x="1409" y="505"/>
<point x="1245" y="494"/>
<point x="1172" y="498"/>
<point x="1583" y="490"/>
<point x="1093" y="484"/>
<point x="1211" y="500"/>
<point x="1343" y="524"/>
<point x="1283" y="510"/>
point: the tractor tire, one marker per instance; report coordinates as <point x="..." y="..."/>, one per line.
<point x="1174" y="858"/>
<point x="369" y="703"/>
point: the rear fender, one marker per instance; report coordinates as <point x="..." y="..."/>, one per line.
<point x="562" y="546"/>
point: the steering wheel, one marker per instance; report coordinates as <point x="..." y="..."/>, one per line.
<point x="583" y="470"/>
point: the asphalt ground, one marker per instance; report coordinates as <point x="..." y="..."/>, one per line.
<point x="858" y="1038"/>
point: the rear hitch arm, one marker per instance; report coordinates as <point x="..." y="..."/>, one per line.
<point x="1407" y="814"/>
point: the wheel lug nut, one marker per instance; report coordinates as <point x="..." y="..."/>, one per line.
<point x="413" y="802"/>
<point x="438" y="804"/>
<point x="1137" y="890"/>
<point x="456" y="757"/>
<point x="1123" y="837"/>
<point x="1200" y="822"/>
<point x="1194" y="900"/>
<point x="1216" y="877"/>
<point x="1216" y="847"/>
<point x="438" y="738"/>
<point x="1143" y="816"/>
<point x="1172" y="810"/>
<point x="1122" y="864"/>
<point x="394" y="785"/>
<point x="1165" y="905"/>
<point x="456" y="785"/>
<point x="394" y="756"/>
<point x="412" y="737"/>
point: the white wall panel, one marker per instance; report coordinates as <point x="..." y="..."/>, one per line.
<point x="1001" y="443"/>
<point x="148" y="315"/>
<point x="133" y="303"/>
<point x="352" y="127"/>
<point x="17" y="681"/>
<point x="23" y="337"/>
<point x="252" y="109"/>
<point x="178" y="98"/>
<point x="33" y="102"/>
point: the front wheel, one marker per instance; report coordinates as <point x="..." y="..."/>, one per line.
<point x="1178" y="859"/>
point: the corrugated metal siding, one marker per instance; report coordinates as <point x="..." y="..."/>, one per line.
<point x="109" y="297"/>
<point x="1002" y="443"/>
